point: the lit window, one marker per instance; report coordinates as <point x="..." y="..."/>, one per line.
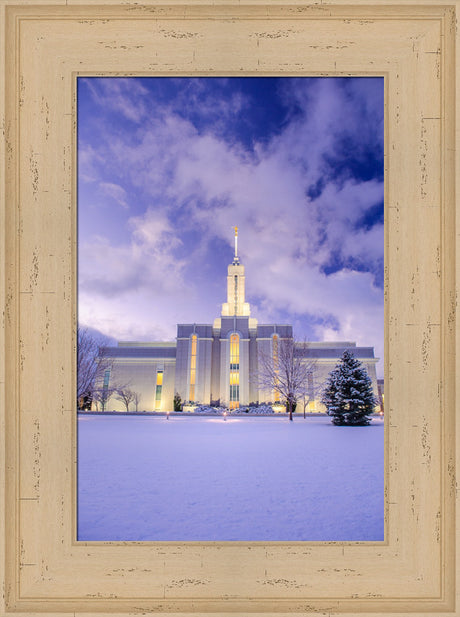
<point x="234" y="371"/>
<point x="158" y="389"/>
<point x="191" y="395"/>
<point x="234" y="378"/>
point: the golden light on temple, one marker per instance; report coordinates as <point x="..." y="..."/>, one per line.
<point x="191" y="395"/>
<point x="158" y="389"/>
<point x="234" y="376"/>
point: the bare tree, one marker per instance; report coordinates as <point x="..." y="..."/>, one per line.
<point x="287" y="374"/>
<point x="92" y="364"/>
<point x="126" y="396"/>
<point x="136" y="399"/>
<point x="311" y="391"/>
<point x="100" y="396"/>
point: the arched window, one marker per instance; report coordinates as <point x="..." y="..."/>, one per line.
<point x="234" y="371"/>
<point x="191" y="394"/>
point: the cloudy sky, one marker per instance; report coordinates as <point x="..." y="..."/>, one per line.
<point x="168" y="166"/>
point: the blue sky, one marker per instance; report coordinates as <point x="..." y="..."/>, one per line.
<point x="167" y="167"/>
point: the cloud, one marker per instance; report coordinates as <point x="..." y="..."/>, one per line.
<point x="116" y="192"/>
<point x="89" y="160"/>
<point x="146" y="261"/>
<point x="122" y="95"/>
<point x="306" y="199"/>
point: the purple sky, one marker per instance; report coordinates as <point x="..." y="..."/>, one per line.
<point x="167" y="167"/>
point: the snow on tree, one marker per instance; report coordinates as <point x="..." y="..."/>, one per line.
<point x="287" y="375"/>
<point x="92" y="365"/>
<point x="348" y="394"/>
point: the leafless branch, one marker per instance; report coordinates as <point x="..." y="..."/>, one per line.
<point x="92" y="362"/>
<point x="100" y="396"/>
<point x="136" y="399"/>
<point x="126" y="396"/>
<point x="287" y="374"/>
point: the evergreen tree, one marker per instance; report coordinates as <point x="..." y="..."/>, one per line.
<point x="348" y="394"/>
<point x="177" y="402"/>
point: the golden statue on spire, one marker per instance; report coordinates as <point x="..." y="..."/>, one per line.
<point x="236" y="231"/>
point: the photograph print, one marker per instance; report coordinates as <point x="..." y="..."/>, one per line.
<point x="230" y="361"/>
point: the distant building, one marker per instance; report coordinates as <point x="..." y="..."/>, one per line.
<point x="214" y="363"/>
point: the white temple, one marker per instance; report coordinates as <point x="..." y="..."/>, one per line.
<point x="213" y="363"/>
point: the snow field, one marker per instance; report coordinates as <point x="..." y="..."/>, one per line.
<point x="247" y="479"/>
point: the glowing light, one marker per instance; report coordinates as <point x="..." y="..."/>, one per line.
<point x="191" y="395"/>
<point x="234" y="378"/>
<point x="234" y="371"/>
<point x="158" y="389"/>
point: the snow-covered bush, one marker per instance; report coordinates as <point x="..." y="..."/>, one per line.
<point x="259" y="409"/>
<point x="262" y="409"/>
<point x="209" y="409"/>
<point x="252" y="409"/>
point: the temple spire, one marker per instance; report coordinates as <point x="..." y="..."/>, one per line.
<point x="236" y="258"/>
<point x="235" y="305"/>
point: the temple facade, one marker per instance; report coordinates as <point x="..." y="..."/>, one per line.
<point x="217" y="364"/>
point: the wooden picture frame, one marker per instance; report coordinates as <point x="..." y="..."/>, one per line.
<point x="46" y="46"/>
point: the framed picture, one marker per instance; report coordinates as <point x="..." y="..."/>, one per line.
<point x="47" y="570"/>
<point x="241" y="327"/>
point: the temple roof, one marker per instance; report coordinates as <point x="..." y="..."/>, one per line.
<point x="139" y="352"/>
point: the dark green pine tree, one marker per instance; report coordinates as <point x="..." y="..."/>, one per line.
<point x="348" y="394"/>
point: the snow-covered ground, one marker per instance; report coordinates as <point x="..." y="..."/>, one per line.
<point x="203" y="478"/>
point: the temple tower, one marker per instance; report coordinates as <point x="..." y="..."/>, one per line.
<point x="235" y="305"/>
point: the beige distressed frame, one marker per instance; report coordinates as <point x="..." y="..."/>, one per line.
<point x="412" y="44"/>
